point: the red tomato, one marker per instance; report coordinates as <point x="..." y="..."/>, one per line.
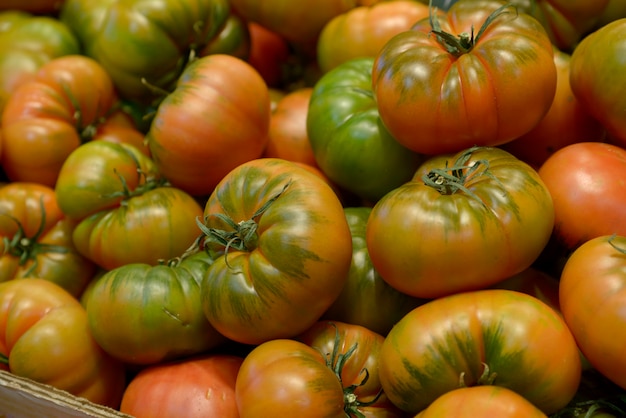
<point x="47" y="118"/>
<point x="597" y="80"/>
<point x="217" y="118"/>
<point x="45" y="336"/>
<point x="478" y="74"/>
<point x="288" y="136"/>
<point x="592" y="295"/>
<point x="269" y="53"/>
<point x="567" y="122"/>
<point x="194" y="387"/>
<point x="485" y="337"/>
<point x="586" y="182"/>
<point x="481" y="402"/>
<point x="364" y="30"/>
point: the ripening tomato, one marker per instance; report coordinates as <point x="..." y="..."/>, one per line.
<point x="465" y="221"/>
<point x="596" y="77"/>
<point x="144" y="314"/>
<point x="118" y="197"/>
<point x="567" y="122"/>
<point x="479" y="74"/>
<point x="36" y="239"/>
<point x="486" y="401"/>
<point x="586" y="182"/>
<point x="217" y="118"/>
<point x="269" y="54"/>
<point x="364" y="30"/>
<point x="592" y="294"/>
<point x="485" y="337"/>
<point x="44" y="336"/>
<point x="196" y="387"/>
<point x="48" y="117"/>
<point x="276" y="271"/>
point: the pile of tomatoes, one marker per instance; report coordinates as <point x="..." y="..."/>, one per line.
<point x="328" y="208"/>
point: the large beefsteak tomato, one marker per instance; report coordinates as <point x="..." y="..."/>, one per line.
<point x="481" y="73"/>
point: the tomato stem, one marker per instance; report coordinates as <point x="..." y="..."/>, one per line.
<point x="464" y="42"/>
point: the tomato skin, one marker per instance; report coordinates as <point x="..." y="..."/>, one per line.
<point x="567" y="122"/>
<point x="313" y="390"/>
<point x="364" y="30"/>
<point x="232" y="100"/>
<point x="596" y="80"/>
<point x="287" y="273"/>
<point x="592" y="291"/>
<point x="476" y="238"/>
<point x="45" y="119"/>
<point x="489" y="95"/>
<point x="194" y="387"/>
<point x="144" y="314"/>
<point x="43" y="333"/>
<point x="37" y="239"/>
<point x="269" y="54"/>
<point x="586" y="208"/>
<point x="349" y="141"/>
<point x="481" y="401"/>
<point x="432" y="347"/>
<point x="366" y="288"/>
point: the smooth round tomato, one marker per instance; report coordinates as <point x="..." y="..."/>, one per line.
<point x="44" y="336"/>
<point x="465" y="221"/>
<point x="145" y="46"/>
<point x="276" y="271"/>
<point x="567" y="122"/>
<point x="195" y="387"/>
<point x="479" y="74"/>
<point x="481" y="402"/>
<point x="592" y="293"/>
<point x="364" y="30"/>
<point x="350" y="143"/>
<point x="269" y="54"/>
<point x="217" y="118"/>
<point x="586" y="183"/>
<point x="45" y="119"/>
<point x="36" y="239"/>
<point x="365" y="288"/>
<point x="288" y="136"/>
<point x="485" y="337"/>
<point x="144" y="314"/>
<point x="596" y="77"/>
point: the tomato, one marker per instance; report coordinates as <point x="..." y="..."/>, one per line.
<point x="495" y="337"/>
<point x="534" y="282"/>
<point x="117" y="194"/>
<point x="616" y="9"/>
<point x="288" y="136"/>
<point x="34" y="6"/>
<point x="595" y="77"/>
<point x="592" y="291"/>
<point x="47" y="118"/>
<point x="358" y="370"/>
<point x="144" y="314"/>
<point x="232" y="102"/>
<point x="194" y="387"/>
<point x="349" y="141"/>
<point x="566" y="21"/>
<point x="365" y="287"/>
<point x="37" y="239"/>
<point x="26" y="43"/>
<point x="269" y="54"/>
<point x="145" y="46"/>
<point x="299" y="22"/>
<point x="586" y="184"/>
<point x="567" y="122"/>
<point x="478" y="74"/>
<point x="275" y="271"/>
<point x="44" y="335"/>
<point x="364" y="30"/>
<point x="481" y="401"/>
<point x="464" y="222"/>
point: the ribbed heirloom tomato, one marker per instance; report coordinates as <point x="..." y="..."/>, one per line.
<point x="481" y="73"/>
<point x="464" y="222"/>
